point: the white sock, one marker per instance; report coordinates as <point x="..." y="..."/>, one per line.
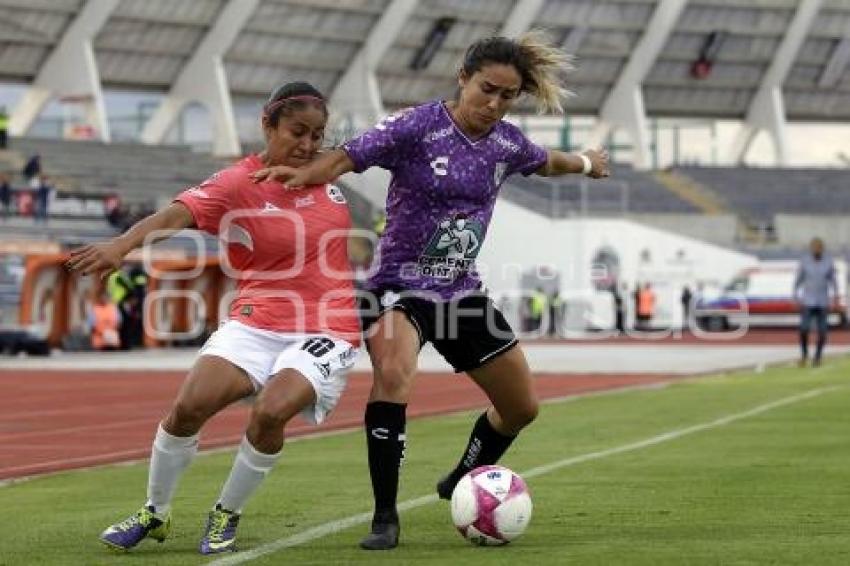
<point x="169" y="457"/>
<point x="250" y="468"/>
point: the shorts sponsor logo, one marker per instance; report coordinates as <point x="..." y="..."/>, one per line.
<point x="324" y="369"/>
<point x="348" y="356"/>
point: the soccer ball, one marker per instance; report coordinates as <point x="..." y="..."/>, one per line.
<point x="491" y="506"/>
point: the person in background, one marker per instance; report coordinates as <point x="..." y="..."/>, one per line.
<point x="104" y="321"/>
<point x="619" y="309"/>
<point x="42" y="200"/>
<point x="5" y="195"/>
<point x="380" y="223"/>
<point x="645" y="306"/>
<point x="815" y="277"/>
<point x="538" y="306"/>
<point x="4" y="128"/>
<point x="32" y="171"/>
<point x="556" y="312"/>
<point x="687" y="299"/>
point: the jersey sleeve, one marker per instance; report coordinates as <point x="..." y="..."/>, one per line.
<point x="209" y="201"/>
<point x="386" y="143"/>
<point x="529" y="158"/>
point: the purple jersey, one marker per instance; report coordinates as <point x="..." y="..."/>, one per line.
<point x="441" y="197"/>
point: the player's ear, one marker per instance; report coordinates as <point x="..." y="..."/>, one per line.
<point x="462" y="79"/>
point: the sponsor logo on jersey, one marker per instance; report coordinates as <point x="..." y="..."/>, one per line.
<point x="436" y="135"/>
<point x="452" y="249"/>
<point x="506" y="143"/>
<point x="335" y="194"/>
<point x="301" y="202"/>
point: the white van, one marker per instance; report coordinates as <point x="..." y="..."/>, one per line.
<point x="764" y="296"/>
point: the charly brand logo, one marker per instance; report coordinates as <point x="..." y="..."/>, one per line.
<point x="452" y="248"/>
<point x="440" y="166"/>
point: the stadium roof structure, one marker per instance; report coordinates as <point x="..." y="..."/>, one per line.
<point x="762" y="61"/>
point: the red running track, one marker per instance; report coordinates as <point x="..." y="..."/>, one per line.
<point x="51" y="420"/>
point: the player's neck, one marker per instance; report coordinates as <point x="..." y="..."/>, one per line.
<point x="463" y="124"/>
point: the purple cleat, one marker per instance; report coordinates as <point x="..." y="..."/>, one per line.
<point x="130" y="532"/>
<point x="220" y="535"/>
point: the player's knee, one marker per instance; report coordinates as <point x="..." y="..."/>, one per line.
<point x="269" y="415"/>
<point x="393" y="378"/>
<point x="186" y="417"/>
<point x="525" y="415"/>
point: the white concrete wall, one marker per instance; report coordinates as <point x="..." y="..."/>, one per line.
<point x="797" y="230"/>
<point x="519" y="240"/>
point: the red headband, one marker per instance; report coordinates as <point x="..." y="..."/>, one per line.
<point x="269" y="108"/>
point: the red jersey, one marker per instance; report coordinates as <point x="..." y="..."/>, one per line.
<point x="287" y="250"/>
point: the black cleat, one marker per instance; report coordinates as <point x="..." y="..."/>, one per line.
<point x="384" y="536"/>
<point x="445" y="487"/>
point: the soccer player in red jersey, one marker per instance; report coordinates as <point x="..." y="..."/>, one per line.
<point x="292" y="334"/>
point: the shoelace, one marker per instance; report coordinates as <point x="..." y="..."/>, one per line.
<point x="218" y="523"/>
<point x="143" y="518"/>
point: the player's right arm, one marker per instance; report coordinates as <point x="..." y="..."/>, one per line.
<point x="385" y="145"/>
<point x="106" y="257"/>
<point x="326" y="168"/>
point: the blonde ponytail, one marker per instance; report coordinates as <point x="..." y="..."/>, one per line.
<point x="547" y="67"/>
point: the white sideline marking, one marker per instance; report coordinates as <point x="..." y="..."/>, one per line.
<point x="363" y="518"/>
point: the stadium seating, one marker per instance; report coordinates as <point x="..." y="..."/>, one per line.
<point x="627" y="191"/>
<point x="137" y="173"/>
<point x="758" y="195"/>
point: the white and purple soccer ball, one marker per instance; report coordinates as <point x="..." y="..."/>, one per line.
<point x="491" y="506"/>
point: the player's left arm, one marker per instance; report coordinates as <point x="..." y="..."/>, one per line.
<point x="833" y="283"/>
<point x="562" y="163"/>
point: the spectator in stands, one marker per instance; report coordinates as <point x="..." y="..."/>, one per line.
<point x="448" y="158"/>
<point x="104" y="320"/>
<point x="5" y="195"/>
<point x="815" y="278"/>
<point x="291" y="356"/>
<point x="42" y="199"/>
<point x="32" y="171"/>
<point x="4" y="128"/>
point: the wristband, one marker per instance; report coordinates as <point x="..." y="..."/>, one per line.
<point x="587" y="165"/>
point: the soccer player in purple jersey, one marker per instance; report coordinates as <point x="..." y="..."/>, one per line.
<point x="448" y="160"/>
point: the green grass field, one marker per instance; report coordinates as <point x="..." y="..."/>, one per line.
<point x="740" y="481"/>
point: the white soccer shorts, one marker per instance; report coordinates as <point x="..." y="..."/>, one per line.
<point x="323" y="359"/>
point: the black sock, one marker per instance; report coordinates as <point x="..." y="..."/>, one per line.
<point x="385" y="440"/>
<point x="486" y="445"/>
<point x="804" y="344"/>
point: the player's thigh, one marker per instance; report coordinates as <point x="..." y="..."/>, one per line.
<point x="285" y="394"/>
<point x="309" y="376"/>
<point x="508" y="383"/>
<point x="213" y="383"/>
<point x="393" y="344"/>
